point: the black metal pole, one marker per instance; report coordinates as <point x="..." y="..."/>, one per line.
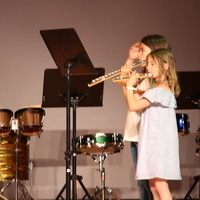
<point x="74" y="178"/>
<point x="68" y="138"/>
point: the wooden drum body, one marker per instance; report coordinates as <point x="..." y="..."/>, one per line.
<point x="5" y="121"/>
<point x="8" y="157"/>
<point x="30" y="121"/>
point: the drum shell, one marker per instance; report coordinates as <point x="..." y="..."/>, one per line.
<point x="8" y="157"/>
<point x="100" y="143"/>
<point x="183" y="124"/>
<point x="30" y="121"/>
<point x="5" y="121"/>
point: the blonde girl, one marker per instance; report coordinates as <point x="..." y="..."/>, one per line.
<point x="158" y="147"/>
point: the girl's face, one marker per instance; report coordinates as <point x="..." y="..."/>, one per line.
<point x="152" y="67"/>
<point x="144" y="50"/>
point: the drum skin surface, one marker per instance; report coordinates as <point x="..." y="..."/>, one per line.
<point x="8" y="157"/>
<point x="100" y="143"/>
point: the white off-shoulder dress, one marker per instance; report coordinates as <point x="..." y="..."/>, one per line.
<point x="158" y="150"/>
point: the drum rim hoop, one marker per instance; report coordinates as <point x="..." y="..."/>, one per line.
<point x="7" y="110"/>
<point x="28" y="109"/>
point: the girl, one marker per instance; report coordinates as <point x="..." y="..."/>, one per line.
<point x="138" y="52"/>
<point x="158" y="151"/>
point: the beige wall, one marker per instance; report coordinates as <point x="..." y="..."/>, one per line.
<point x="107" y="29"/>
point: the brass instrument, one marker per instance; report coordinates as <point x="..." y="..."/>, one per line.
<point x="111" y="75"/>
<point x="123" y="78"/>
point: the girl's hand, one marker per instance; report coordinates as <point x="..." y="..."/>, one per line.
<point x="134" y="51"/>
<point x="133" y="80"/>
<point x="125" y="70"/>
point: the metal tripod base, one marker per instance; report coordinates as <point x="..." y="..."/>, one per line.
<point x="100" y="194"/>
<point x="79" y="179"/>
<point x="196" y="178"/>
<point x="18" y="184"/>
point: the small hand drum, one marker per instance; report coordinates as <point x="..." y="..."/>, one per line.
<point x="5" y="121"/>
<point x="30" y="121"/>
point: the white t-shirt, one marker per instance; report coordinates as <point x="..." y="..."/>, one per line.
<point x="131" y="130"/>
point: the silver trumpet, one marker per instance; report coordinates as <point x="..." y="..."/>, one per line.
<point x="123" y="78"/>
<point x="112" y="74"/>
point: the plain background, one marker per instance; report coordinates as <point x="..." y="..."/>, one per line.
<point x="107" y="29"/>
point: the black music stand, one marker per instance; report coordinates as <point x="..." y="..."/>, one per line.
<point x="54" y="89"/>
<point x="72" y="60"/>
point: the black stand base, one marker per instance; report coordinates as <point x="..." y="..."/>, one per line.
<point x="98" y="194"/>
<point x="196" y="178"/>
<point x="79" y="179"/>
<point x="24" y="196"/>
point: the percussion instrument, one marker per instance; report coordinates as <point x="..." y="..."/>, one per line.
<point x="183" y="124"/>
<point x="30" y="121"/>
<point x="100" y="143"/>
<point x="112" y="74"/>
<point x="5" y="121"/>
<point x="8" y="157"/>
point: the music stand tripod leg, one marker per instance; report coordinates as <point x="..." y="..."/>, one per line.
<point x="74" y="177"/>
<point x="196" y="178"/>
<point x="79" y="179"/>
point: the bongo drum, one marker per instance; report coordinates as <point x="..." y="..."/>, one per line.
<point x="5" y="121"/>
<point x="30" y="121"/>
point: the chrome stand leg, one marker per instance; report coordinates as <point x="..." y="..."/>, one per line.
<point x="113" y="194"/>
<point x="100" y="192"/>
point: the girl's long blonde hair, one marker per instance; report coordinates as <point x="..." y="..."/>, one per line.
<point x="162" y="56"/>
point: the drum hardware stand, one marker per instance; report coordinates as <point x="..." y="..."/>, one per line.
<point x="100" y="192"/>
<point x="18" y="184"/>
<point x="197" y="140"/>
<point x="2" y="190"/>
